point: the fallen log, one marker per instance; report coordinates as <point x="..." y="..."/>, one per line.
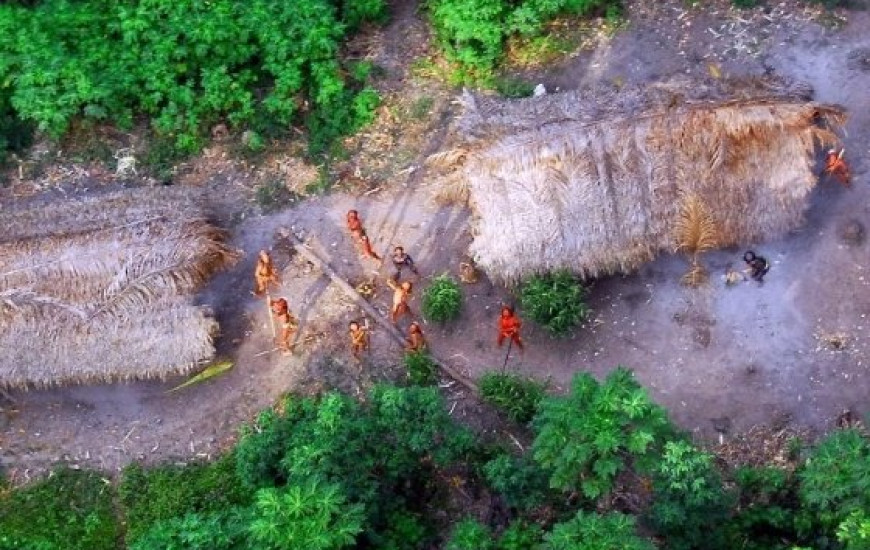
<point x="306" y="252"/>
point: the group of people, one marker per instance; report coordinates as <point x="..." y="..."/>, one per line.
<point x="266" y="276"/>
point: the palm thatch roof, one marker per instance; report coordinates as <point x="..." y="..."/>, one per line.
<point x="594" y="181"/>
<point x="102" y="288"/>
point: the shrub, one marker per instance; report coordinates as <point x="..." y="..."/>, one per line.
<point x="515" y="395"/>
<point x="590" y="531"/>
<point x="153" y="495"/>
<point x="518" y="480"/>
<point x="442" y="299"/>
<point x="554" y="301"/>
<point x="520" y="536"/>
<point x="744" y="4"/>
<point x="514" y="87"/>
<point x="835" y="481"/>
<point x="470" y="534"/>
<point x="70" y="509"/>
<point x="313" y="515"/>
<point x="586" y="437"/>
<point x="186" y="64"/>
<point x="766" y="511"/>
<point x="224" y="530"/>
<point x="422" y="371"/>
<point x="690" y="502"/>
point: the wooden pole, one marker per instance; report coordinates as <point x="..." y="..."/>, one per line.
<point x="327" y="270"/>
<point x="269" y="313"/>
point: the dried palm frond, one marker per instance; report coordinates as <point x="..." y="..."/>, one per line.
<point x="85" y="287"/>
<point x="696" y="230"/>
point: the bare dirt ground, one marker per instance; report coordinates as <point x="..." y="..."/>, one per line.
<point x="721" y="359"/>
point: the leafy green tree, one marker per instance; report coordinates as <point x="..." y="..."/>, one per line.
<point x="690" y="503"/>
<point x="470" y="534"/>
<point x="518" y="396"/>
<point x="835" y="482"/>
<point x="590" y="531"/>
<point x="555" y="301"/>
<point x="442" y="299"/>
<point x="585" y="438"/>
<point x="312" y="515"/>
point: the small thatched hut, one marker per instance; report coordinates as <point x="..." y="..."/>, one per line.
<point x="594" y="181"/>
<point x="101" y="288"/>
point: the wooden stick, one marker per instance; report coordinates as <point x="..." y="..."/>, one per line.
<point x="269" y="313"/>
<point x="304" y="250"/>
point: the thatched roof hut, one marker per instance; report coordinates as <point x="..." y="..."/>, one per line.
<point x="594" y="181"/>
<point x="102" y="288"/>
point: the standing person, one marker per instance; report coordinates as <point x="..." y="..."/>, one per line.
<point x="401" y="260"/>
<point x="358" y="232"/>
<point x="509" y="327"/>
<point x="288" y="323"/>
<point x="359" y="339"/>
<point x="415" y="341"/>
<point x="757" y="266"/>
<point x="401" y="295"/>
<point x="265" y="274"/>
<point x="836" y="166"/>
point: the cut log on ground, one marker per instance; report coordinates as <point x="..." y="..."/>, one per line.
<point x="312" y="257"/>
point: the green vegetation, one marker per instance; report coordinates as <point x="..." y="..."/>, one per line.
<point x="187" y="65"/>
<point x="586" y="438"/>
<point x="333" y="472"/>
<point x="515" y="395"/>
<point x="68" y="506"/>
<point x="442" y="299"/>
<point x="422" y="371"/>
<point x="473" y="33"/>
<point x="555" y="301"/>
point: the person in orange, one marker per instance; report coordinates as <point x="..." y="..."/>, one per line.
<point x="265" y="274"/>
<point x="836" y="166"/>
<point x="415" y="341"/>
<point x="288" y="323"/>
<point x="359" y="339"/>
<point x="355" y="226"/>
<point x="509" y="327"/>
<point x="366" y="245"/>
<point x="401" y="295"/>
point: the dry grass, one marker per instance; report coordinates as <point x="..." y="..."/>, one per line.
<point x="101" y="288"/>
<point x="593" y="181"/>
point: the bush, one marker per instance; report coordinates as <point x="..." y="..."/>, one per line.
<point x="153" y="495"/>
<point x="586" y="437"/>
<point x="690" y="503"/>
<point x="515" y="395"/>
<point x="835" y="482"/>
<point x="224" y="530"/>
<point x="186" y="64"/>
<point x="442" y="299"/>
<point x="70" y="509"/>
<point x="520" y="536"/>
<point x="744" y="4"/>
<point x="518" y="480"/>
<point x="472" y="33"/>
<point x="766" y="510"/>
<point x="554" y="301"/>
<point x="589" y="531"/>
<point x="470" y="534"/>
<point x="422" y="371"/>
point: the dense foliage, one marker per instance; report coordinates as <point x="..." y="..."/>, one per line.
<point x="554" y="301"/>
<point x="395" y="472"/>
<point x="422" y="371"/>
<point x="472" y="33"/>
<point x="68" y="506"/>
<point x="186" y="64"/>
<point x="518" y="396"/>
<point x="442" y="299"/>
<point x="586" y="438"/>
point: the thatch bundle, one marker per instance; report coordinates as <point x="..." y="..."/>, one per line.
<point x="595" y="181"/>
<point x="101" y="288"/>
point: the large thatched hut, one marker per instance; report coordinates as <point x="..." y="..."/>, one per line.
<point x="102" y="288"/>
<point x="595" y="181"/>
